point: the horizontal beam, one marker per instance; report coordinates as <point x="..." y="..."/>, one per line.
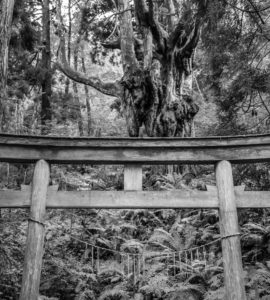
<point x="59" y="141"/>
<point x="134" y="199"/>
<point x="135" y="151"/>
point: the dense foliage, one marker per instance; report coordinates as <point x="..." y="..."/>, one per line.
<point x="68" y="272"/>
<point x="65" y="69"/>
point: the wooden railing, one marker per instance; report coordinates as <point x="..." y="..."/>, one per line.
<point x="133" y="153"/>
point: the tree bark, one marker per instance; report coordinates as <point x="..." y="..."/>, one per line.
<point x="76" y="97"/>
<point x="229" y="231"/>
<point x="107" y="88"/>
<point x="67" y="83"/>
<point x="88" y="102"/>
<point x="46" y="85"/>
<point x="6" y="14"/>
<point x="156" y="63"/>
<point x="36" y="231"/>
<point x="127" y="37"/>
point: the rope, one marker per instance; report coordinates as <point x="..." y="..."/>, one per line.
<point x="230" y="235"/>
<point x="171" y="254"/>
<point x="103" y="248"/>
<point x="36" y="221"/>
<point x="166" y="254"/>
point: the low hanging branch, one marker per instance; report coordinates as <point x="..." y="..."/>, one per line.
<point x="113" y="89"/>
<point x="108" y="88"/>
<point x="157" y="58"/>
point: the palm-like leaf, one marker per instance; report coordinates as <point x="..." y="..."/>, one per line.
<point x="162" y="236"/>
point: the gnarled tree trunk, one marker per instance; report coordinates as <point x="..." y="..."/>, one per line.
<point x="157" y="60"/>
<point x="153" y="88"/>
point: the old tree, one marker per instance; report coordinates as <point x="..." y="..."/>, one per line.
<point x="163" y="45"/>
<point x="157" y="40"/>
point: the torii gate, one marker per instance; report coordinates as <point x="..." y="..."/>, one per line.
<point x="133" y="153"/>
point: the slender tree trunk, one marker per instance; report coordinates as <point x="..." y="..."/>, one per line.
<point x="88" y="101"/>
<point x="46" y="85"/>
<point x="67" y="64"/>
<point x="67" y="84"/>
<point x="76" y="97"/>
<point x="6" y="13"/>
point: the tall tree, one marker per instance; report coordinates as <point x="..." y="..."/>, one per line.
<point x="67" y="83"/>
<point x="6" y="13"/>
<point x="46" y="114"/>
<point x="157" y="59"/>
<point x="236" y="47"/>
<point x="158" y="40"/>
<point x="76" y="95"/>
<point x="88" y="101"/>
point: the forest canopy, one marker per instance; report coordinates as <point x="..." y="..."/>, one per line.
<point x="162" y="62"/>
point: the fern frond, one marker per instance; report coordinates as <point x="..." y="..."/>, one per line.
<point x="162" y="236"/>
<point x="255" y="228"/>
<point x="114" y="294"/>
<point x="132" y="246"/>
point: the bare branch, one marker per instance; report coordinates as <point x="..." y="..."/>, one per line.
<point x="107" y="88"/>
<point x="249" y="11"/>
<point x="256" y="11"/>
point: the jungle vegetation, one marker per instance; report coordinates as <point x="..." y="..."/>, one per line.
<point x="116" y="68"/>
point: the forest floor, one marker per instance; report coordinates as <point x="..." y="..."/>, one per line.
<point x="74" y="269"/>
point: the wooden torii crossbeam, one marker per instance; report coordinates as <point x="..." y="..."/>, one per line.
<point x="134" y="199"/>
<point x="133" y="153"/>
<point x="239" y="149"/>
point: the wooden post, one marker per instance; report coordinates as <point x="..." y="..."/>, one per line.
<point x="133" y="178"/>
<point x="229" y="230"/>
<point x="133" y="182"/>
<point x="35" y="234"/>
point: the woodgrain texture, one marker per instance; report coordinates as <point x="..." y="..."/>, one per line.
<point x="135" y="151"/>
<point x="35" y="234"/>
<point x="133" y="182"/>
<point x="229" y="230"/>
<point x="134" y="199"/>
<point x="133" y="178"/>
